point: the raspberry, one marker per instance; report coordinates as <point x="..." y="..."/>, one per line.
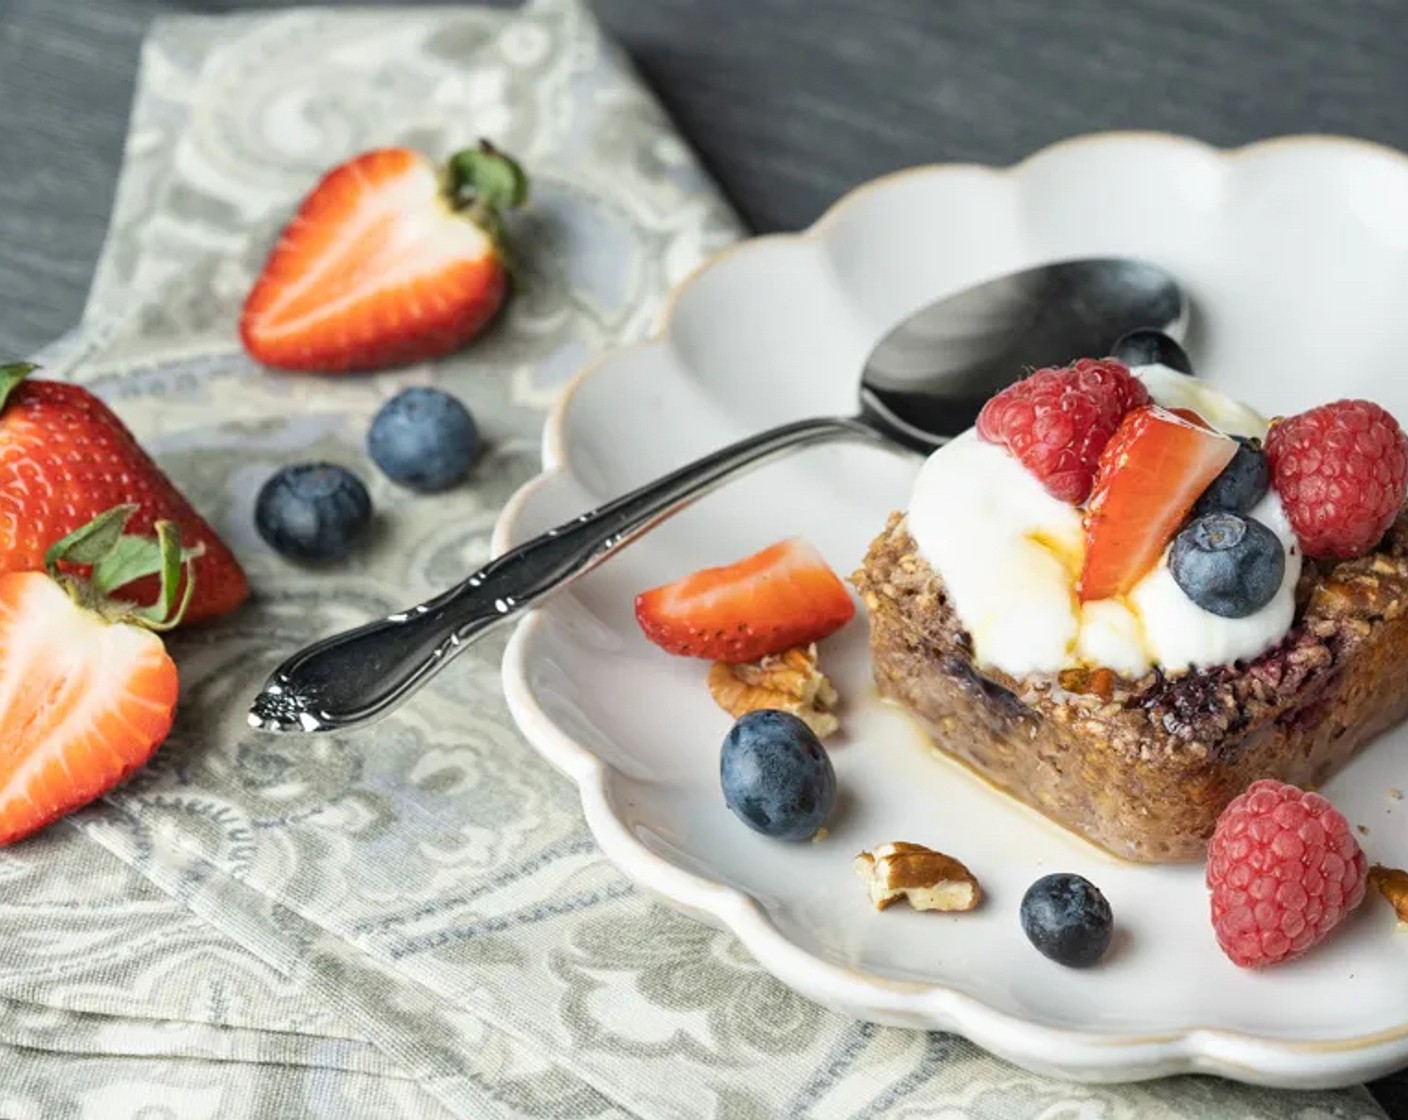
<point x="1285" y="869"/>
<point x="1342" y="473"/>
<point x="1057" y="421"/>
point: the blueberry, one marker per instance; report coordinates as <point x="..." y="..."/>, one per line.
<point x="424" y="439"/>
<point x="1067" y="919"/>
<point x="1242" y="483"/>
<point x="776" y="776"/>
<point x="1230" y="565"/>
<point x="1151" y="348"/>
<point x="312" y="511"/>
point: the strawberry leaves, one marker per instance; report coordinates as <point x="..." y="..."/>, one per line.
<point x="484" y="183"/>
<point x="11" y="375"/>
<point x="89" y="543"/>
<point x="167" y="612"/>
<point x="487" y="177"/>
<point x="116" y="559"/>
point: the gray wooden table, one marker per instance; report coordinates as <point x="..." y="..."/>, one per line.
<point x="790" y="102"/>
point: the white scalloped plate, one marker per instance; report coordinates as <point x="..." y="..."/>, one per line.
<point x="1296" y="253"/>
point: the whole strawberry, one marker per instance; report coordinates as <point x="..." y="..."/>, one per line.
<point x="389" y="260"/>
<point x="64" y="459"/>
<point x="1341" y="471"/>
<point x="90" y="691"/>
<point x="1057" y="421"/>
<point x="1284" y="869"/>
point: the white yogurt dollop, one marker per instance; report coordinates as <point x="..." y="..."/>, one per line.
<point x="1172" y="389"/>
<point x="1010" y="556"/>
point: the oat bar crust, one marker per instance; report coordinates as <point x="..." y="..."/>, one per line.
<point x="1144" y="767"/>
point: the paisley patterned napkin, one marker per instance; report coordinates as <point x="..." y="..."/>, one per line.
<point x="412" y="921"/>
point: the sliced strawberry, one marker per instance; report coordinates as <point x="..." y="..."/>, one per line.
<point x="389" y="260"/>
<point x="1150" y="474"/>
<point x="87" y="690"/>
<point x="1192" y="416"/>
<point x="781" y="597"/>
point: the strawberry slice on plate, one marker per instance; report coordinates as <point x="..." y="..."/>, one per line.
<point x="782" y="597"/>
<point x="65" y="458"/>
<point x="1150" y="473"/>
<point x="87" y="689"/>
<point x="389" y="260"/>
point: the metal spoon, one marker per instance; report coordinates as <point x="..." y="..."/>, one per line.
<point x="923" y="384"/>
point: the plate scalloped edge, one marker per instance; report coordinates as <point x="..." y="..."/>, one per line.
<point x="1055" y="1051"/>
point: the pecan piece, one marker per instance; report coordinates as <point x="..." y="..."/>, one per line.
<point x="926" y="879"/>
<point x="787" y="682"/>
<point x="1393" y="885"/>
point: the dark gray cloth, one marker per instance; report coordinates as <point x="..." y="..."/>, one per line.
<point x="790" y="103"/>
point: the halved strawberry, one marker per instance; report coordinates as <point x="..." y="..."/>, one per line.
<point x="1192" y="416"/>
<point x="781" y="597"/>
<point x="1150" y="474"/>
<point x="87" y="690"/>
<point x="389" y="260"/>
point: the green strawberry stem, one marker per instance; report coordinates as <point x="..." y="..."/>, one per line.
<point x="11" y="375"/>
<point x="116" y="559"/>
<point x="483" y="183"/>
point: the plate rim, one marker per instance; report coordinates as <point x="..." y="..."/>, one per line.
<point x="1066" y="1052"/>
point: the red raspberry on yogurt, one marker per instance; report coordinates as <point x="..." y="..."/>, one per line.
<point x="1057" y="421"/>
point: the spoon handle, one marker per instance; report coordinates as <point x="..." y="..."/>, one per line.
<point x="358" y="676"/>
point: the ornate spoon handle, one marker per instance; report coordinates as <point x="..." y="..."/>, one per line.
<point x="358" y="676"/>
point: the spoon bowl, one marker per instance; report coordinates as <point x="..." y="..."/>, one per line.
<point x="928" y="378"/>
<point x="923" y="384"/>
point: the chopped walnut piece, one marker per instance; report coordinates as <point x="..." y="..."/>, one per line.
<point x="1393" y="885"/>
<point x="927" y="879"/>
<point x="787" y="682"/>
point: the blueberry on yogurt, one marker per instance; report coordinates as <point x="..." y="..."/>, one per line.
<point x="776" y="776"/>
<point x="1228" y="564"/>
<point x="1242" y="483"/>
